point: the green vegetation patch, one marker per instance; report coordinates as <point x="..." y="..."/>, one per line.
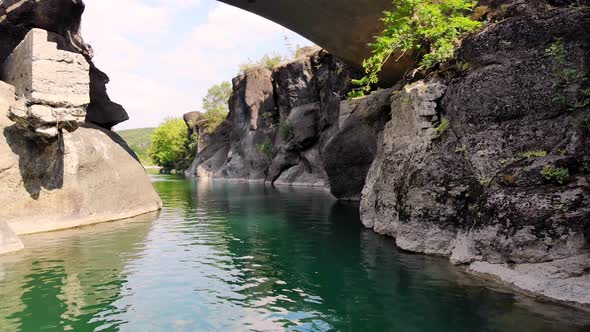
<point x="568" y="78"/>
<point x="442" y="127"/>
<point x="533" y="154"/>
<point x="556" y="174"/>
<point x="216" y="104"/>
<point x="286" y="130"/>
<point x="170" y="146"/>
<point x="268" y="61"/>
<point x="431" y="29"/>
<point x="265" y="148"/>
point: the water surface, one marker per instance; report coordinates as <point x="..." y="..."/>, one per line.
<point x="244" y="257"/>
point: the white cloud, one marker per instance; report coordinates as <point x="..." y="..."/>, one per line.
<point x="159" y="63"/>
<point x="229" y="27"/>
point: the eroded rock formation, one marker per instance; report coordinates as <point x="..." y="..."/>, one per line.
<point x="490" y="167"/>
<point x="47" y="102"/>
<point x="85" y="176"/>
<point x="287" y="127"/>
<point x="62" y="18"/>
<point x="57" y="168"/>
<point x="486" y="161"/>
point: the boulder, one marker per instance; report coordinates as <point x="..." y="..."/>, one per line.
<point x="87" y="176"/>
<point x="62" y="17"/>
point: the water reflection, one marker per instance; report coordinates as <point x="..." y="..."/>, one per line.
<point x="235" y="257"/>
<point x="68" y="280"/>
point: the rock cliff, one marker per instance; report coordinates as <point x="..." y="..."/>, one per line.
<point x="290" y="126"/>
<point x="489" y="166"/>
<point x="58" y="169"/>
<point x="485" y="160"/>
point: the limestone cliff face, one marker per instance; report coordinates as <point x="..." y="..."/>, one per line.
<point x="503" y="184"/>
<point x="289" y="126"/>
<point x="58" y="169"/>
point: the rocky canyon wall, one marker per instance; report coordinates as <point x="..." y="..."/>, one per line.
<point x="293" y="126"/>
<point x="489" y="165"/>
<point x="485" y="160"/>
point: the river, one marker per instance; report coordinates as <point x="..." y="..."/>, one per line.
<point x="245" y="257"/>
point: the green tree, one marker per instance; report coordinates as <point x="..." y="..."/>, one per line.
<point x="268" y="61"/>
<point x="432" y="29"/>
<point x="169" y="144"/>
<point x="215" y="104"/>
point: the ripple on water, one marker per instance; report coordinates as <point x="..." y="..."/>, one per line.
<point x="235" y="257"/>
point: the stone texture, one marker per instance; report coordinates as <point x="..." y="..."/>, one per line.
<point x="52" y="85"/>
<point x="565" y="279"/>
<point x="470" y="192"/>
<point x="279" y="122"/>
<point x="87" y="176"/>
<point x="46" y="75"/>
<point x="392" y="185"/>
<point x="348" y="154"/>
<point x="9" y="242"/>
<point x="61" y="18"/>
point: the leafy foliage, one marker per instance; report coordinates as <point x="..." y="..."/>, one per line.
<point x="442" y="127"/>
<point x="268" y="61"/>
<point x="533" y="154"/>
<point x="557" y="174"/>
<point x="265" y="148"/>
<point x="286" y="130"/>
<point x="169" y="144"/>
<point x="431" y="28"/>
<point x="215" y="104"/>
<point x="568" y="79"/>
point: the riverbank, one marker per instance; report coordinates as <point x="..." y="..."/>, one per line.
<point x="237" y="256"/>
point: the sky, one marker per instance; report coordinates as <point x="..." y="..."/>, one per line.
<point x="163" y="55"/>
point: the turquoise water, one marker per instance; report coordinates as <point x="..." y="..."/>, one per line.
<point x="243" y="257"/>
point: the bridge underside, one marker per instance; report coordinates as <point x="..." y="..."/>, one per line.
<point x="343" y="27"/>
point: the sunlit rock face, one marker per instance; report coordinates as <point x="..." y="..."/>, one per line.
<point x="291" y="126"/>
<point x="57" y="168"/>
<point x="85" y="176"/>
<point x="52" y="86"/>
<point x="9" y="242"/>
<point x="62" y="20"/>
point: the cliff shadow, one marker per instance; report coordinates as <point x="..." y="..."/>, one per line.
<point x="41" y="164"/>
